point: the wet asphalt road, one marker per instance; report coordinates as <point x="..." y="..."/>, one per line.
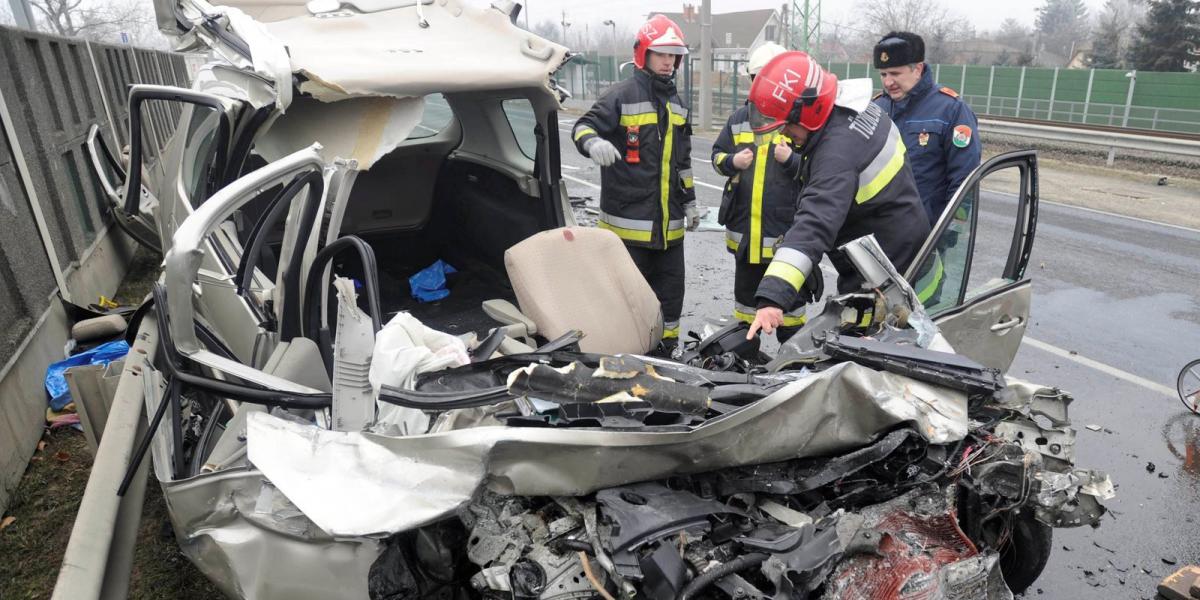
<point x="1115" y="315"/>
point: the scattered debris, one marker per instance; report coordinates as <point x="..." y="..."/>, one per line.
<point x="1094" y="427"/>
<point x="9" y="520"/>
<point x="1109" y="550"/>
<point x="1170" y="560"/>
<point x="1150" y="467"/>
<point x="1162" y="475"/>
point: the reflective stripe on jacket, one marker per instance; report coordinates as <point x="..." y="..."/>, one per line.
<point x="642" y="202"/>
<point x="759" y="201"/>
<point x="856" y="183"/>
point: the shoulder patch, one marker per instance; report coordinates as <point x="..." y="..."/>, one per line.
<point x="949" y="92"/>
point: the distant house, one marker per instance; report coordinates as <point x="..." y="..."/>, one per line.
<point x="733" y="33"/>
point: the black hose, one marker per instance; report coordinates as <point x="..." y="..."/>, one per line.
<point x="437" y="401"/>
<point x="710" y="576"/>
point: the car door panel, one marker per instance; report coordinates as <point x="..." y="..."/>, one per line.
<point x="989" y="329"/>
<point x="974" y="269"/>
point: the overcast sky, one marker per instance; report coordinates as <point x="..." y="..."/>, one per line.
<point x="984" y="15"/>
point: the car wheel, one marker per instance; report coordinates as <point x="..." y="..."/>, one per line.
<point x="1024" y="556"/>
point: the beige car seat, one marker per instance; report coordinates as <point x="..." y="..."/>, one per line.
<point x="583" y="278"/>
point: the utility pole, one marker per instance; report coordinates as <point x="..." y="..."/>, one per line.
<point x="565" y="25"/>
<point x="23" y="13"/>
<point x="706" y="49"/>
<point x="527" y="16"/>
<point x="806" y="17"/>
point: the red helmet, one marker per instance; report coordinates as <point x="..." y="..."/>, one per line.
<point x="662" y="35"/>
<point x="791" y="88"/>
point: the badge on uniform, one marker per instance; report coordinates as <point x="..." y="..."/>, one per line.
<point x="923" y="138"/>
<point x="962" y="136"/>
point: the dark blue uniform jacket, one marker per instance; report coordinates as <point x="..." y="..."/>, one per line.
<point x="941" y="135"/>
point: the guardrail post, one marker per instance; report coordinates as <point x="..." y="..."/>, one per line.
<point x="937" y="72"/>
<point x="1020" y="93"/>
<point x="1087" y="97"/>
<point x="962" y="82"/>
<point x="1053" y="89"/>
<point x="1132" y="75"/>
<point x="991" y="80"/>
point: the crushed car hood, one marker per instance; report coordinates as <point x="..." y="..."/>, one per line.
<point x="346" y="49"/>
<point x="361" y="483"/>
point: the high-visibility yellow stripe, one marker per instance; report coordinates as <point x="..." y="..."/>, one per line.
<point x="756" y="201"/>
<point x="582" y="131"/>
<point x="665" y="178"/>
<point x="671" y="333"/>
<point x="885" y="176"/>
<point x="743" y="138"/>
<point x="794" y="321"/>
<point x="689" y="182"/>
<point x="639" y="119"/>
<point x="938" y="272"/>
<point x="786" y="272"/>
<point x="731" y="244"/>
<point x="676" y="119"/>
<point x="674" y="234"/>
<point x="867" y="316"/>
<point x="632" y="235"/>
<point x="788" y="320"/>
<point x="768" y="252"/>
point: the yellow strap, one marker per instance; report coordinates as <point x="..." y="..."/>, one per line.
<point x="756" y="201"/>
<point x="671" y="333"/>
<point x="786" y="272"/>
<point x="582" y="131"/>
<point x="632" y="235"/>
<point x="639" y="119"/>
<point x="938" y="272"/>
<point x="884" y="177"/>
<point x="665" y="180"/>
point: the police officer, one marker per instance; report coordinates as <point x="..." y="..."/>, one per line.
<point x="856" y="180"/>
<point x="939" y="129"/>
<point x="639" y="135"/>
<point x="758" y="203"/>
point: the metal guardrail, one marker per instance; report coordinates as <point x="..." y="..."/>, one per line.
<point x="1104" y="138"/>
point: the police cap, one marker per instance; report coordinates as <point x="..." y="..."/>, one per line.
<point x="899" y="48"/>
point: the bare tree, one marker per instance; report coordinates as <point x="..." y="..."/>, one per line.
<point x="930" y="19"/>
<point x="6" y="17"/>
<point x="101" y="20"/>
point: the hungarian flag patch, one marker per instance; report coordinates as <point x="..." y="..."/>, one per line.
<point x="962" y="136"/>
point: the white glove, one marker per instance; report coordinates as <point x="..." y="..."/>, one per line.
<point x="601" y="151"/>
<point x="691" y="216"/>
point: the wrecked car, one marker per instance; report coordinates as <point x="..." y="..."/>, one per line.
<point x="317" y="432"/>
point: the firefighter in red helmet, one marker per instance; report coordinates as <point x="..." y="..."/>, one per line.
<point x="639" y="134"/>
<point x="851" y="161"/>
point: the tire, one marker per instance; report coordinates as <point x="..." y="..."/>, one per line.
<point x="1024" y="557"/>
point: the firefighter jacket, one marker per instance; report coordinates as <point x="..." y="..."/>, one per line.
<point x="759" y="201"/>
<point x="642" y="196"/>
<point x="856" y="183"/>
<point x="939" y="130"/>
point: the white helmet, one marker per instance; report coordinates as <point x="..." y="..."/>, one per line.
<point x="762" y="55"/>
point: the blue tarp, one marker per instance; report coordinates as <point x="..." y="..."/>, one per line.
<point x="56" y="380"/>
<point x="429" y="284"/>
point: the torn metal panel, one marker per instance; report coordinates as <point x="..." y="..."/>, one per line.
<point x="1071" y="499"/>
<point x="361" y="130"/>
<point x="353" y="398"/>
<point x="389" y="53"/>
<point x="253" y="543"/>
<point x="362" y="483"/>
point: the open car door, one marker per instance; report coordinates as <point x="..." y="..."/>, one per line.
<point x="970" y="273"/>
